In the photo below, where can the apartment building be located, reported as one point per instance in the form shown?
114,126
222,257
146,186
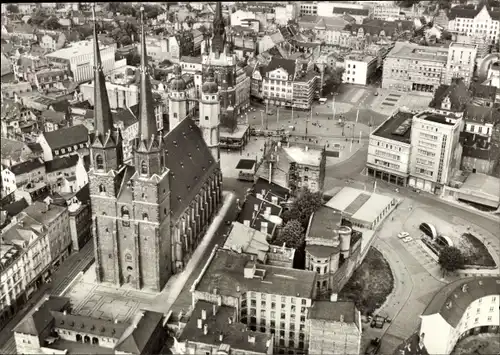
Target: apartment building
334,328
55,219
277,83
477,21
304,89
386,10
308,8
410,67
283,14
8,182
436,150
79,59
331,30
359,68
64,141
24,265
461,62
66,174
120,96
268,299
389,149
29,172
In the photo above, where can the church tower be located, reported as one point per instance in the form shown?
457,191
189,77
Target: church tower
177,103
219,31
106,157
210,114
148,251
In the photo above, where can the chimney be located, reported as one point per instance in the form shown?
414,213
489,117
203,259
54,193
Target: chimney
251,339
205,329
219,301
263,227
200,323
274,200
237,288
230,320
246,223
203,314
214,309
255,207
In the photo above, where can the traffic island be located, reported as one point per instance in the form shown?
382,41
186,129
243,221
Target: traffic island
371,283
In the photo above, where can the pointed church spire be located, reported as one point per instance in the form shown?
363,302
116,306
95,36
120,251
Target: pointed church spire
102,109
147,119
219,37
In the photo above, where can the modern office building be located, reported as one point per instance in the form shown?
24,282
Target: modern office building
359,68
436,151
461,62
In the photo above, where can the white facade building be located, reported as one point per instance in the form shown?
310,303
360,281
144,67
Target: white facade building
79,59
283,14
120,96
436,150
240,15
463,308
386,10
359,68
8,182
461,62
475,22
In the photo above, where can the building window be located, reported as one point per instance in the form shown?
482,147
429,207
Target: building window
102,189
99,162
144,168
206,118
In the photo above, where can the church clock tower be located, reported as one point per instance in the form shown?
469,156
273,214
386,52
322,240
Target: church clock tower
210,114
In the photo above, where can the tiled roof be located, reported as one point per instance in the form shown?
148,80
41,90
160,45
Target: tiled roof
26,166
40,317
14,208
286,64
126,116
236,335
94,326
11,149
457,92
190,163
68,136
136,341
61,163
482,114
453,299
461,12
349,11
54,116
483,91
61,105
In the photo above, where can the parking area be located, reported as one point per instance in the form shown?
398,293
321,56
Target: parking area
230,158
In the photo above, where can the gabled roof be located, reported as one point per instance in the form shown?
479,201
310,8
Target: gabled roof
26,166
190,163
61,163
40,317
470,13
136,341
61,105
54,116
482,114
287,64
457,92
14,208
127,116
68,136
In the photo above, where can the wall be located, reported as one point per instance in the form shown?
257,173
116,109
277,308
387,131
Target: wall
395,153
332,337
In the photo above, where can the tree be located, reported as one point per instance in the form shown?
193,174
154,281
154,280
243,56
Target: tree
451,259
52,23
407,3
231,123
13,8
303,207
133,59
292,234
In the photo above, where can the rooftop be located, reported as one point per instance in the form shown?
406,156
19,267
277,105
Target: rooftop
483,184
247,240
416,52
61,163
68,136
44,213
396,127
453,299
304,156
254,211
222,330
360,57
245,164
226,273
77,48
26,167
436,118
344,312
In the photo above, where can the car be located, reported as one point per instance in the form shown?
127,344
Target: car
402,235
407,239
376,93
374,347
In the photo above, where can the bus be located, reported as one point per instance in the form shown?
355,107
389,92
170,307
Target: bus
323,100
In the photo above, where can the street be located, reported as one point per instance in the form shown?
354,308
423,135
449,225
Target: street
76,262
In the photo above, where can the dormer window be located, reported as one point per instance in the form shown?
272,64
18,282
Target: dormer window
99,162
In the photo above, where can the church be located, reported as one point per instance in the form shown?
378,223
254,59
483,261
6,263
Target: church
149,216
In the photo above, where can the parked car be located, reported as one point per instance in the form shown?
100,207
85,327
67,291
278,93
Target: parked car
407,239
402,235
374,347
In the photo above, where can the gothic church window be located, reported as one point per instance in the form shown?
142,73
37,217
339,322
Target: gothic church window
99,162
144,168
145,216
102,189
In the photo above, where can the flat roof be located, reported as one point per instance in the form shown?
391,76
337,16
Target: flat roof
436,118
389,129
77,48
248,240
485,185
357,203
304,157
334,311
417,52
245,164
238,133
226,272
372,208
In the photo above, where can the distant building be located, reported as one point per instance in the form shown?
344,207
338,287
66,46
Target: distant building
386,10
286,13
120,96
8,184
78,59
461,62
53,41
64,142
476,21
